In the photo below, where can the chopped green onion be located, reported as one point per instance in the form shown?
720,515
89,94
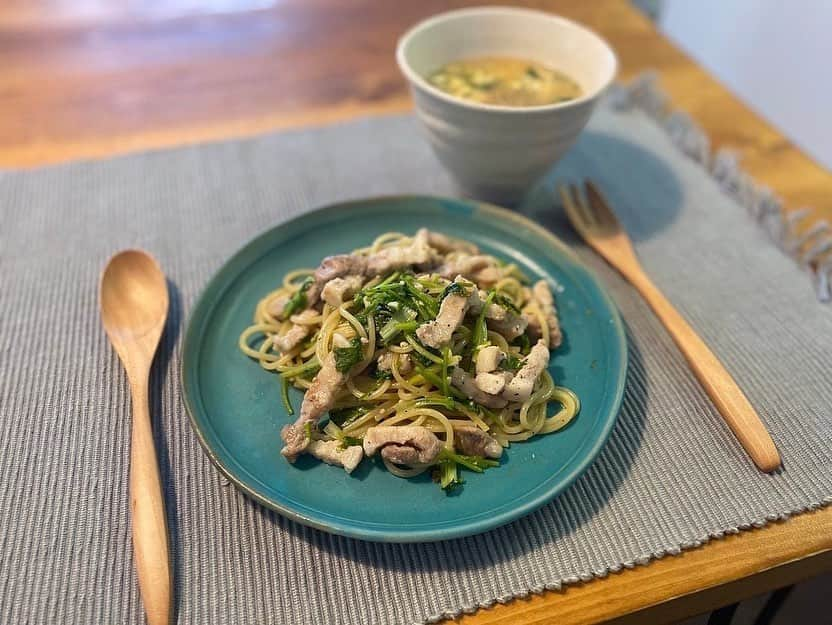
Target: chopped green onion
511,363
445,402
298,300
523,343
284,394
479,337
422,351
402,320
342,417
312,365
434,379
381,374
446,355
350,441
474,463
506,302
454,288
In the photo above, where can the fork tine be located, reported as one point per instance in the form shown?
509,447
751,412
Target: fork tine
584,206
569,204
600,207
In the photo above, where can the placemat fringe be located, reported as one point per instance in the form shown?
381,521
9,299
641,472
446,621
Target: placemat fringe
809,246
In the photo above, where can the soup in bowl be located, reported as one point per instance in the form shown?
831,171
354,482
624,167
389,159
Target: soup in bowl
503,92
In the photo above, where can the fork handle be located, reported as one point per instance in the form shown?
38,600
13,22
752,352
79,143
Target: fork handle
729,399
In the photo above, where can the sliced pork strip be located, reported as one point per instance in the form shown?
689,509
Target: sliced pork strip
491,383
489,276
472,441
444,244
317,400
340,290
293,337
465,264
295,441
510,327
333,267
332,452
499,318
277,306
521,386
543,295
407,444
299,331
489,358
339,266
405,364
495,311
418,253
467,385
438,332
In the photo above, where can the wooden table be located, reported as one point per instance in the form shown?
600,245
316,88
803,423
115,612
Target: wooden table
91,78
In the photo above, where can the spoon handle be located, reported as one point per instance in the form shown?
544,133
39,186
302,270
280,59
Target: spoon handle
147,508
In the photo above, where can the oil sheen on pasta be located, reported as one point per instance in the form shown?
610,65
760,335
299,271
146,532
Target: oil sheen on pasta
394,372
505,81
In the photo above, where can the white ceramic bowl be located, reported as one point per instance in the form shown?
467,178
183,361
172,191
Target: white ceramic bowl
497,152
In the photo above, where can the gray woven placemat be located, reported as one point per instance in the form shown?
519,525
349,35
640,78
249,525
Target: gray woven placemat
671,476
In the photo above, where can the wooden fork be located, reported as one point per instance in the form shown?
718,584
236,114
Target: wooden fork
598,226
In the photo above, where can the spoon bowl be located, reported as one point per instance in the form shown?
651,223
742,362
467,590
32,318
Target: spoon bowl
134,295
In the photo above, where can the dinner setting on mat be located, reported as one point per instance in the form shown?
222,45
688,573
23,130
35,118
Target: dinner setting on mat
525,345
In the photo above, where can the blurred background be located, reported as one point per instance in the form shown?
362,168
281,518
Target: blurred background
780,65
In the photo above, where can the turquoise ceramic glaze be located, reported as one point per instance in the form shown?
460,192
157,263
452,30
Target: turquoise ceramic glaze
235,405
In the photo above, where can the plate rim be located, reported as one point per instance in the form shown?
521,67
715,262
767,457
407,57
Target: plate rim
190,341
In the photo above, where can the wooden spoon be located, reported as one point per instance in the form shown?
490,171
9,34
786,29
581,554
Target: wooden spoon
134,306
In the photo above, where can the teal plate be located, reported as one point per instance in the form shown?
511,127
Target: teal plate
235,405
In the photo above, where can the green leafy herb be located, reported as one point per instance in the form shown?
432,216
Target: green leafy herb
447,476
308,368
298,300
446,470
511,363
381,374
443,379
401,320
420,359
350,441
477,464
426,306
505,302
523,343
531,72
342,417
455,288
347,357
445,402
479,338
284,394
403,291
434,378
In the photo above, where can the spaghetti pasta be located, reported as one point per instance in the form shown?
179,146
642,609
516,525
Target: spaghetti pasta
390,356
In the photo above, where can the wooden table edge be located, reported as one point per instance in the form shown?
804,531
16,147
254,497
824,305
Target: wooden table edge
722,571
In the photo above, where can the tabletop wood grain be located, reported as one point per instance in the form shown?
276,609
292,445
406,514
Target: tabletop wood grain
91,78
